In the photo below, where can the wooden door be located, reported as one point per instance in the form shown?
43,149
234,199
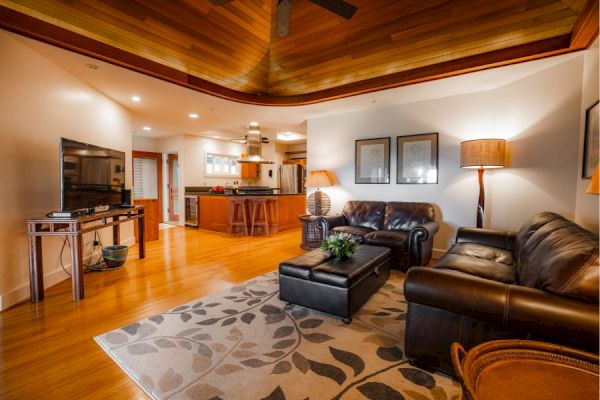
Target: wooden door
159,179
173,162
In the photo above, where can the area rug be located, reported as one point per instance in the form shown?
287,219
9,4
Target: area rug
244,343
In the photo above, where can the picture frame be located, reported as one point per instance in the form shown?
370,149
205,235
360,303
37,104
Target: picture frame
417,159
372,161
591,141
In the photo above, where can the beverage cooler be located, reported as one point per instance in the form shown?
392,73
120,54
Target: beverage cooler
191,210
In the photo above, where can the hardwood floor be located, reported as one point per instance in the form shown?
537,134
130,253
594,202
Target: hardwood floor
47,349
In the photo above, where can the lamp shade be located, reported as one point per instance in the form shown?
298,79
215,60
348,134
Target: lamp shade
593,187
318,178
483,153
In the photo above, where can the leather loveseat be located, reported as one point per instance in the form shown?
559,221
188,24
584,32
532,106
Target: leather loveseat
538,283
407,229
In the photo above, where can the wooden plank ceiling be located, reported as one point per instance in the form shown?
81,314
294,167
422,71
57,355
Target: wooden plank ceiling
232,50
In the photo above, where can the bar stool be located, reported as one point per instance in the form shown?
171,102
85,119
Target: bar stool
258,204
234,220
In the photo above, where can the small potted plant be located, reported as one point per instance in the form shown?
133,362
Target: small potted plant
339,245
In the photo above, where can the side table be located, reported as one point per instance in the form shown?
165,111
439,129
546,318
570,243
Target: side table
312,236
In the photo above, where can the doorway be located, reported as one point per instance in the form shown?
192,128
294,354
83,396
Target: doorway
172,187
147,181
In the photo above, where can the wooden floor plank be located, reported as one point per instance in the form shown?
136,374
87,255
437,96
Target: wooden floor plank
47,349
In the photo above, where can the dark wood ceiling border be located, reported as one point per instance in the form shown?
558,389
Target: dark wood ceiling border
585,31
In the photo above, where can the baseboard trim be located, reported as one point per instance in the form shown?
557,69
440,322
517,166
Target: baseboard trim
21,293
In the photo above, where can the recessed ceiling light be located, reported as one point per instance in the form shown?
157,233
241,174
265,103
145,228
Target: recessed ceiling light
193,115
290,136
147,128
253,123
137,99
92,66
217,137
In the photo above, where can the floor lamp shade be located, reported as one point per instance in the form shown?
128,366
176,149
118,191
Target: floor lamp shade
318,203
482,154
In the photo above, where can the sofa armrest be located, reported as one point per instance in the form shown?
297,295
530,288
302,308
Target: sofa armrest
515,307
490,237
420,243
326,223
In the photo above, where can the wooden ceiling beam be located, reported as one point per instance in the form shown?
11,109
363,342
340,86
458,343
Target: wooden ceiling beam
585,29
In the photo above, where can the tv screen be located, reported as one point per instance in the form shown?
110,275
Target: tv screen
91,176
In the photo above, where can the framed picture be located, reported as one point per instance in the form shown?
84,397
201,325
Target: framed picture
417,158
591,142
372,161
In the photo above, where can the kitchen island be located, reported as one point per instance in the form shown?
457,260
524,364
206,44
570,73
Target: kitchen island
283,210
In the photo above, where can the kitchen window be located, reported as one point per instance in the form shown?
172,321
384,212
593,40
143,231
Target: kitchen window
221,165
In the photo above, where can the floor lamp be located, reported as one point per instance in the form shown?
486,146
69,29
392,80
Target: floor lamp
482,154
594,186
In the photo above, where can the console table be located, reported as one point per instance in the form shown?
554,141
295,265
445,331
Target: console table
73,229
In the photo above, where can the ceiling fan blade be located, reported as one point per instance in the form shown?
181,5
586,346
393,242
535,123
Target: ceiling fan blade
220,2
339,7
283,17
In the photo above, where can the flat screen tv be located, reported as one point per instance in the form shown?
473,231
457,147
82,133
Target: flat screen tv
91,176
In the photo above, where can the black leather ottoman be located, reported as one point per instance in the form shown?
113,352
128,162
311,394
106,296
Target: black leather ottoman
336,287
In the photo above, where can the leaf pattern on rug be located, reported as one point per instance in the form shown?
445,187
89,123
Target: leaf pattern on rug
379,391
274,351
350,359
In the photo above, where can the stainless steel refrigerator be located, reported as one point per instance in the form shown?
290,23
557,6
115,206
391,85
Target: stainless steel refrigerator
291,179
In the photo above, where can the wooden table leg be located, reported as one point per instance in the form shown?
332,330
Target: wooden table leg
141,236
116,232
77,267
36,269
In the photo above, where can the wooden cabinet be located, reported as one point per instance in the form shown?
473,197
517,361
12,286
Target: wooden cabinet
283,211
151,218
299,162
249,171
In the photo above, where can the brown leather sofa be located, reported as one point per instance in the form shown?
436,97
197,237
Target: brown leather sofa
407,229
538,283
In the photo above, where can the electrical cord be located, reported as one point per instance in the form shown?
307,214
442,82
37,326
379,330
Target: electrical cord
99,265
60,257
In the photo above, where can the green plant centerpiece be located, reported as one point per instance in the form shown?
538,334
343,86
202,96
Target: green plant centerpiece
340,245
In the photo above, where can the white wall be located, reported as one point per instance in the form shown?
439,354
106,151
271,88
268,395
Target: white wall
141,143
39,103
538,115
195,155
586,209
196,149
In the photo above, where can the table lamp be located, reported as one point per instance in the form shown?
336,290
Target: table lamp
482,154
594,186
318,203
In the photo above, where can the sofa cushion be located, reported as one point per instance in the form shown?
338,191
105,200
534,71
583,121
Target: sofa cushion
368,214
359,232
559,256
387,238
403,216
475,266
301,266
484,252
348,272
